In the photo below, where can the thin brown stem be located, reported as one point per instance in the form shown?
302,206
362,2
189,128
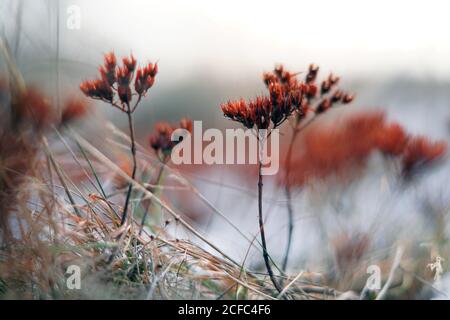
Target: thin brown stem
137,103
263,235
133,174
287,189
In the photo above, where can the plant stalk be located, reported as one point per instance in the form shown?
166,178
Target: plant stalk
263,235
287,191
133,154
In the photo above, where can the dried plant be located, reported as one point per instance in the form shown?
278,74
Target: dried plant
58,220
316,100
286,98
161,142
27,115
114,88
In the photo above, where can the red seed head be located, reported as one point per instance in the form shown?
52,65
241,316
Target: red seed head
123,75
311,76
98,89
323,106
110,61
129,63
154,71
124,93
348,98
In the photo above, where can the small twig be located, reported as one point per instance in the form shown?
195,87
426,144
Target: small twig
296,130
288,194
290,284
156,281
136,104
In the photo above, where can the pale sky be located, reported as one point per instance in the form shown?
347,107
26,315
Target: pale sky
361,38
348,35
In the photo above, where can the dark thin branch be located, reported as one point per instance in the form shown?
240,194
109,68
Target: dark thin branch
262,232
133,154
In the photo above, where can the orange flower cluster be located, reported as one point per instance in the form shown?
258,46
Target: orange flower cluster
328,95
287,96
326,150
161,141
118,79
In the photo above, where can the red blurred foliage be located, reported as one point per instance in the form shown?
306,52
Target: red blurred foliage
74,109
341,149
420,152
30,106
392,139
17,161
26,114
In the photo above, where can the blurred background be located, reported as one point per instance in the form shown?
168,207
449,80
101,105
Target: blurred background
395,55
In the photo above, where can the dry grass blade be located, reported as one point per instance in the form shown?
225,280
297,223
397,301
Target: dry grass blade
108,163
